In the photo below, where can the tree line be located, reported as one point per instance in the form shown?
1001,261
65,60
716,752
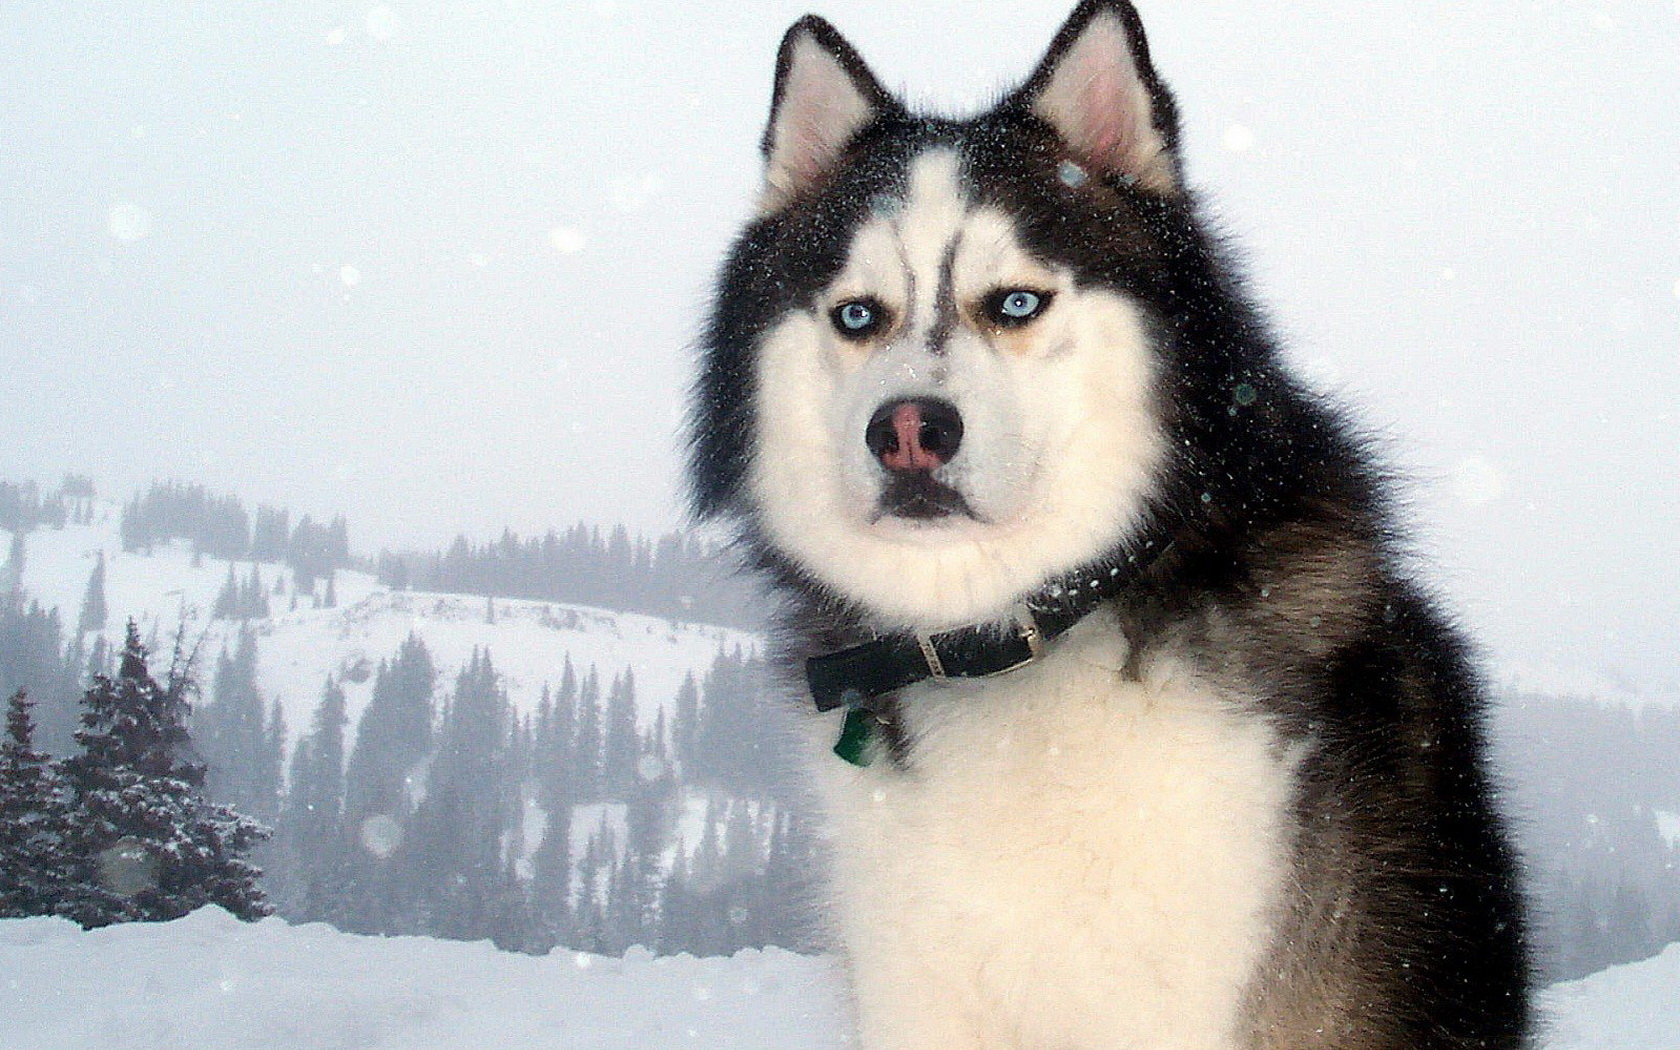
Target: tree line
676,576
220,527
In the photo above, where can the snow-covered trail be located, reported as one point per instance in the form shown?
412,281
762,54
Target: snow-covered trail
209,982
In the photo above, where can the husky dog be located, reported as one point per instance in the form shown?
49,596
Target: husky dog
1131,728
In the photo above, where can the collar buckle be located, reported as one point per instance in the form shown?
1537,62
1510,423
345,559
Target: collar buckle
1029,632
1014,653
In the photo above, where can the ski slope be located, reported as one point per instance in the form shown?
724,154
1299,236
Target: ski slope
211,982
298,648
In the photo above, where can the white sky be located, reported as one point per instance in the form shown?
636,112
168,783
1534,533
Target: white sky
436,266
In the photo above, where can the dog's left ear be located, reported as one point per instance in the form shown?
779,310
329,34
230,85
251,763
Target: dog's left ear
824,96
1097,89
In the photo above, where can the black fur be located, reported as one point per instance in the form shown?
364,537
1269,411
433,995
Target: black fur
1285,569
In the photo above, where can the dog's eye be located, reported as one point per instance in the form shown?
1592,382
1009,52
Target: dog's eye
1015,306
858,318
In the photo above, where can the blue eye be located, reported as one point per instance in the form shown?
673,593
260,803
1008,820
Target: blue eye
1017,305
1020,304
858,318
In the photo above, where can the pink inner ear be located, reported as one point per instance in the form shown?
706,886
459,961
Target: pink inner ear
1108,116
1097,102
821,109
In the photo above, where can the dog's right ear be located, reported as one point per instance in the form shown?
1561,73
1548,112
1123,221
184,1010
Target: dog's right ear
824,96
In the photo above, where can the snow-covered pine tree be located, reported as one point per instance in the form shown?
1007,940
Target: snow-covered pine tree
32,821
144,842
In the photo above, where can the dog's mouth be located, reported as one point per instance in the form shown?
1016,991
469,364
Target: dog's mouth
919,496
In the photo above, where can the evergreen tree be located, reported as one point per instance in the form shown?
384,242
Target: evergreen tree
312,824
787,913
227,599
32,657
93,600
453,857
619,748
551,881
253,604
560,757
11,580
586,746
684,723
145,844
393,740
33,860
676,933
238,745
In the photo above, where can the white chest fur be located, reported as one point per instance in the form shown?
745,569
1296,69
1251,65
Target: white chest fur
1074,861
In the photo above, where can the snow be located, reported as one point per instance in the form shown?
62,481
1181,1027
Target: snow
1632,1007
211,982
298,649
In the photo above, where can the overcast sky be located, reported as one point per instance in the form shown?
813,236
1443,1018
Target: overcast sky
436,266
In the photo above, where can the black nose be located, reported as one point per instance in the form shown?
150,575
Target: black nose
914,435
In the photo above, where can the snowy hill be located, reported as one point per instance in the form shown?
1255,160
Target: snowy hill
210,982
298,648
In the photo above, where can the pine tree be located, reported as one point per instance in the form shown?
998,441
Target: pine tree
393,739
312,824
560,756
253,603
32,821
586,747
11,580
239,748
227,599
684,722
144,842
787,906
676,933
551,881
453,857
620,744
93,601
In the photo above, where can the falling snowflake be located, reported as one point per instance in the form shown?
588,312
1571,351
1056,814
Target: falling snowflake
566,240
129,222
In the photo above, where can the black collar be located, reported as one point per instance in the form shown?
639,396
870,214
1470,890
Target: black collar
852,677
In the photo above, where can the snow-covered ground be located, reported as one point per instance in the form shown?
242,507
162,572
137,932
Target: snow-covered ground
210,982
1632,1007
297,649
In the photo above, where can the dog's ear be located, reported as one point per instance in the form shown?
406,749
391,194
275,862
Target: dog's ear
824,96
1097,89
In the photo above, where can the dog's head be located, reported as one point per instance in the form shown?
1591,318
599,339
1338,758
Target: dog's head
935,374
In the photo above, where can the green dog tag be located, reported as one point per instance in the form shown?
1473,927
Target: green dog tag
853,745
